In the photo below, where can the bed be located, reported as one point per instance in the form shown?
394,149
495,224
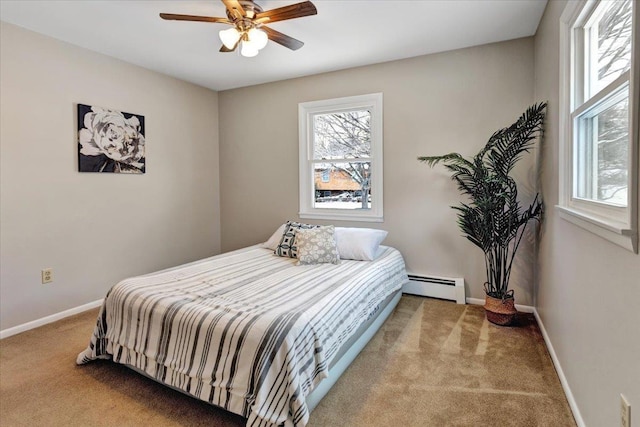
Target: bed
249,331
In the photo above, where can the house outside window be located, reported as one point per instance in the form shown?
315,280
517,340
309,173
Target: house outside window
599,119
341,158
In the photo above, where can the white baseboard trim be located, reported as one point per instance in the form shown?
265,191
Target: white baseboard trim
522,308
563,380
49,319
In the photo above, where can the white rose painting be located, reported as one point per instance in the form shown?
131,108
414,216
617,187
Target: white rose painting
110,141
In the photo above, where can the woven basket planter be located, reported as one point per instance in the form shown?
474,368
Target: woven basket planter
500,312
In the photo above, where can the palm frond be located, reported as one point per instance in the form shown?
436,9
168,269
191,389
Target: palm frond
507,146
453,158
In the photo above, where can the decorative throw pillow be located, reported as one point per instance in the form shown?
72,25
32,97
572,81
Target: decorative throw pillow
287,246
317,246
360,244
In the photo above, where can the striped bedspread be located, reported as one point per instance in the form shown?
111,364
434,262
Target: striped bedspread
248,331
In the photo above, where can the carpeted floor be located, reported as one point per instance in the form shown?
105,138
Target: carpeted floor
433,363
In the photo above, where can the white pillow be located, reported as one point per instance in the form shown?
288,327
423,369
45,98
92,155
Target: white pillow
360,244
275,238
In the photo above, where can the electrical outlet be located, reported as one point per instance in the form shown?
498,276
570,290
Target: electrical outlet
625,412
47,275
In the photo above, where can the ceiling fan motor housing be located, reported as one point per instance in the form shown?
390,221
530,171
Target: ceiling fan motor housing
251,9
244,22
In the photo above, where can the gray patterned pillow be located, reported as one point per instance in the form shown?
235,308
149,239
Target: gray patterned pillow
287,246
317,246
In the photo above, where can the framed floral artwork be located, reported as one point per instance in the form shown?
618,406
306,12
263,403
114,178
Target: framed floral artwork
110,141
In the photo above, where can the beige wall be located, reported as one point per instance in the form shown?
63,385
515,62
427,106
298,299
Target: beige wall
433,104
588,288
96,229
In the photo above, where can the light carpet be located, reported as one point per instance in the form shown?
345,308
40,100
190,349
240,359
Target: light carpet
433,363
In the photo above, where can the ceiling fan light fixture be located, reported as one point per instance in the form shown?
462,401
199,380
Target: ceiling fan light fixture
258,38
248,50
229,37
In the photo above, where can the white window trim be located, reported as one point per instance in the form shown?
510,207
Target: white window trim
591,216
306,110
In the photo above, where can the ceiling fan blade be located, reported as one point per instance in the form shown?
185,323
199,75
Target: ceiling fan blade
234,4
225,49
262,20
174,17
297,10
282,39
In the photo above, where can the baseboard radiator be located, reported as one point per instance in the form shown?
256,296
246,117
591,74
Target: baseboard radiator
436,287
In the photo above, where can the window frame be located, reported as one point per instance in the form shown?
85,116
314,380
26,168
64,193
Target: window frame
614,223
306,112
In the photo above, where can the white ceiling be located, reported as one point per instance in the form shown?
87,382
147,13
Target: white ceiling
344,33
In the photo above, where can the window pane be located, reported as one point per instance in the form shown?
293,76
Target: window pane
611,44
603,155
345,135
348,186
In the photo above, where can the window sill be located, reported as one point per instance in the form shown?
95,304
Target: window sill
336,216
612,231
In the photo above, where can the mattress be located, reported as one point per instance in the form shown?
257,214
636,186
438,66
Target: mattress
247,331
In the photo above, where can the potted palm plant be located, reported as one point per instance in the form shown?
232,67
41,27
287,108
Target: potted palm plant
493,219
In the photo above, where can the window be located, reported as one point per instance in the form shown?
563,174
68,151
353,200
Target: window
599,119
341,158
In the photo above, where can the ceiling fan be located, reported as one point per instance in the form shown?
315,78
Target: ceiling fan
248,25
